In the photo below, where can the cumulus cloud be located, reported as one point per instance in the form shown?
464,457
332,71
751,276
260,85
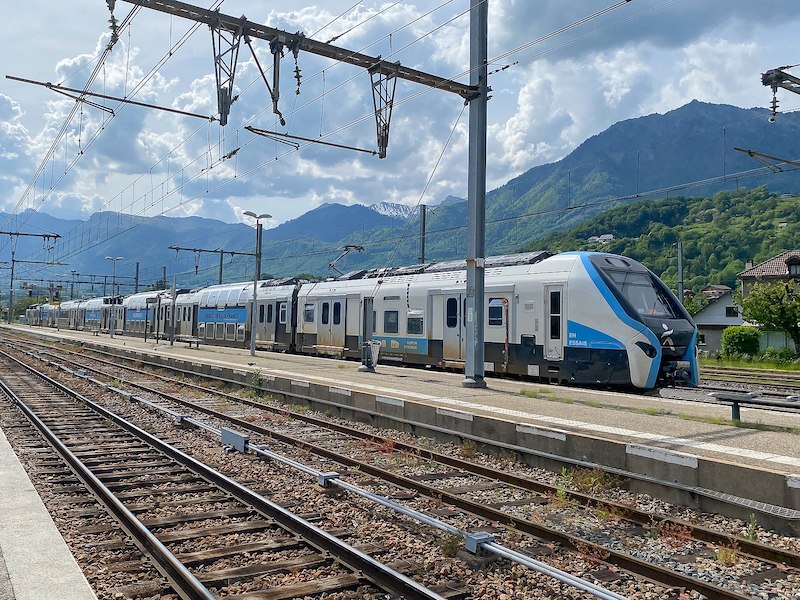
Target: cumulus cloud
648,55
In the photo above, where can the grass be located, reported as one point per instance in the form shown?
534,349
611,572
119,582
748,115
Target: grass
653,411
748,364
656,411
740,424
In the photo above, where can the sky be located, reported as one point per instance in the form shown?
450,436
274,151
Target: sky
557,78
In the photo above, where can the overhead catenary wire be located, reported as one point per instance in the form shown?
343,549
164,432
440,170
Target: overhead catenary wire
193,197
61,134
263,164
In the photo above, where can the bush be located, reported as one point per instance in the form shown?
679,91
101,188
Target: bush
740,339
782,356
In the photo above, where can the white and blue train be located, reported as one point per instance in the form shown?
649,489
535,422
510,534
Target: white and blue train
576,317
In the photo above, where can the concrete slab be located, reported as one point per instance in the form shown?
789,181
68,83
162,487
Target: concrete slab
35,563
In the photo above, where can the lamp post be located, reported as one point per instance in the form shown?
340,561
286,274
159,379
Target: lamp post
255,277
113,296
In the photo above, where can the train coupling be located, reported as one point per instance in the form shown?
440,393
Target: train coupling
677,372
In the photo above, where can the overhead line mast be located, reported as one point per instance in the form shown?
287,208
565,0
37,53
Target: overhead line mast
14,235
227,33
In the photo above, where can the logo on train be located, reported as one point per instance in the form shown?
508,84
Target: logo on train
666,340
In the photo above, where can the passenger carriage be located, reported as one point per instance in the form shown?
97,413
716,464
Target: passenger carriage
577,317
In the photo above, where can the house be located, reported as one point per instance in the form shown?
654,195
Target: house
602,239
783,267
715,316
715,291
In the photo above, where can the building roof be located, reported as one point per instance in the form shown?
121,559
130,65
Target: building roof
773,267
717,287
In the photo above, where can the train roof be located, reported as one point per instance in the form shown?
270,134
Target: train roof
504,260
139,301
99,302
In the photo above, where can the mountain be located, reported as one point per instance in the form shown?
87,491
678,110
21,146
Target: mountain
688,151
332,222
718,234
394,210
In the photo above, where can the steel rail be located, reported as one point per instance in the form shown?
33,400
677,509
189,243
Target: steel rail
181,579
371,569
749,547
624,561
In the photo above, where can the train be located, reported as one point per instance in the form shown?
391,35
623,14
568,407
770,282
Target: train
583,318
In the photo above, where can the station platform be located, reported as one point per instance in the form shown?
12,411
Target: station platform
649,439
35,563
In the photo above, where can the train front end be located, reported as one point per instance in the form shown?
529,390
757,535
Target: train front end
663,350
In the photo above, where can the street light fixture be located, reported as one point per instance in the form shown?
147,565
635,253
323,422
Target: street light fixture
255,277
113,296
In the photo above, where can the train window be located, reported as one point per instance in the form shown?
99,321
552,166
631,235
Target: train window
261,313
388,298
282,313
337,313
640,291
452,312
326,313
555,327
414,324
555,315
374,321
555,303
391,321
230,331
308,313
269,313
495,312
212,298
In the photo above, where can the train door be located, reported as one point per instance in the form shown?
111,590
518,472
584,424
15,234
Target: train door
454,339
331,325
267,316
554,322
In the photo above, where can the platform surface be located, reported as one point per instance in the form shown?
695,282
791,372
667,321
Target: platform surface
35,563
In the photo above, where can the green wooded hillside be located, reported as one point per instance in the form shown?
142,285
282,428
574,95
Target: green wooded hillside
719,234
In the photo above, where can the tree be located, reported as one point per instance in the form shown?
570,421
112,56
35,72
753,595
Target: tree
21,304
775,306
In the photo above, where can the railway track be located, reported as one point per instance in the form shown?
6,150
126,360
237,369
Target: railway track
773,381
162,497
466,486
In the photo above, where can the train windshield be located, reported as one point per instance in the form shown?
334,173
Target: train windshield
645,297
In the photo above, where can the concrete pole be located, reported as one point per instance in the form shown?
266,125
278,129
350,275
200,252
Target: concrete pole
422,214
680,272
253,319
476,195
